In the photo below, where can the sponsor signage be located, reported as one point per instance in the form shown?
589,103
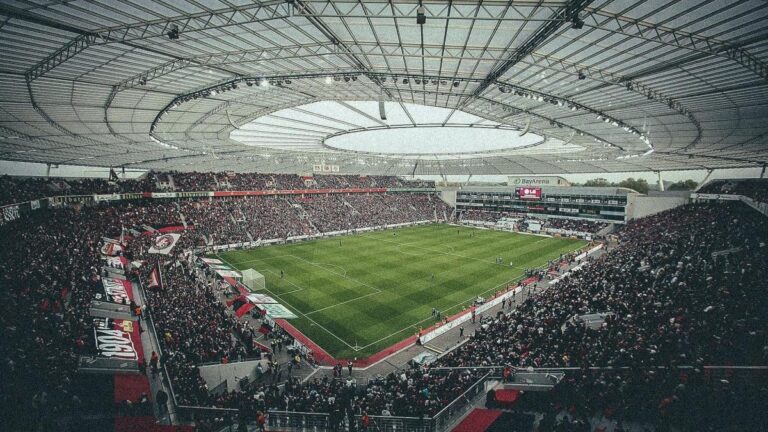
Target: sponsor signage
537,181
529,192
325,168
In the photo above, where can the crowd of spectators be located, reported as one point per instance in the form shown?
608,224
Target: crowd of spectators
755,188
21,189
578,225
672,303
51,270
337,212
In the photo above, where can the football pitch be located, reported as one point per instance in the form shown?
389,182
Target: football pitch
357,294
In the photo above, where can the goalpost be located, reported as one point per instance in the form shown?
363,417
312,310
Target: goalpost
253,280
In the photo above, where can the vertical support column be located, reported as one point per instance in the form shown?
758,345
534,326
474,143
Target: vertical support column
661,181
762,173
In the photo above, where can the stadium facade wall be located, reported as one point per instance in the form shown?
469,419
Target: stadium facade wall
215,374
640,205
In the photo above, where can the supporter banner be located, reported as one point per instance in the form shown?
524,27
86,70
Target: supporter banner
260,298
34,204
111,249
113,340
117,290
276,310
719,197
168,229
10,213
164,244
107,197
117,262
220,267
194,194
164,194
71,199
211,261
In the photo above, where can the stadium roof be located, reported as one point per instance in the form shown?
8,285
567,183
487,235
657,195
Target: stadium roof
178,84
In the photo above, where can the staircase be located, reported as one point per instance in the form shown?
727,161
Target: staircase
171,183
607,230
303,214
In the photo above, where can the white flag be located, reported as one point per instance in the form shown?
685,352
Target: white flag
164,243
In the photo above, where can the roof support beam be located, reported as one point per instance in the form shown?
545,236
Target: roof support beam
544,32
250,13
677,38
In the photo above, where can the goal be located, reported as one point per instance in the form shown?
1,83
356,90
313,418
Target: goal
253,280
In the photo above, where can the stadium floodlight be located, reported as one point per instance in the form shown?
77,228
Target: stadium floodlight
455,83
577,23
581,75
328,80
421,18
173,34
213,92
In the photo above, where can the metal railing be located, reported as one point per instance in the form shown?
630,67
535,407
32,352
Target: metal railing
299,421
460,405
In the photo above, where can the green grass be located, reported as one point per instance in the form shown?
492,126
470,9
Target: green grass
375,289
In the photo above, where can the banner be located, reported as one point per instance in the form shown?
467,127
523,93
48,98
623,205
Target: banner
164,243
211,261
11,213
34,204
117,262
155,279
116,290
111,249
113,339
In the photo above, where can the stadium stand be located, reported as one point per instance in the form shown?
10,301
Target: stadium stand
674,305
18,189
756,189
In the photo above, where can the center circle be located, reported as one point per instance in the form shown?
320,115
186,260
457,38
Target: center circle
438,140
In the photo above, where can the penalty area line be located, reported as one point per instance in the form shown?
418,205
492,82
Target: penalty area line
300,312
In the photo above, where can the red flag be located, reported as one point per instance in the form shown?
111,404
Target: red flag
244,309
155,278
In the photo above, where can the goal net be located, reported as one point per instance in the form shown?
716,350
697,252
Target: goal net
253,280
